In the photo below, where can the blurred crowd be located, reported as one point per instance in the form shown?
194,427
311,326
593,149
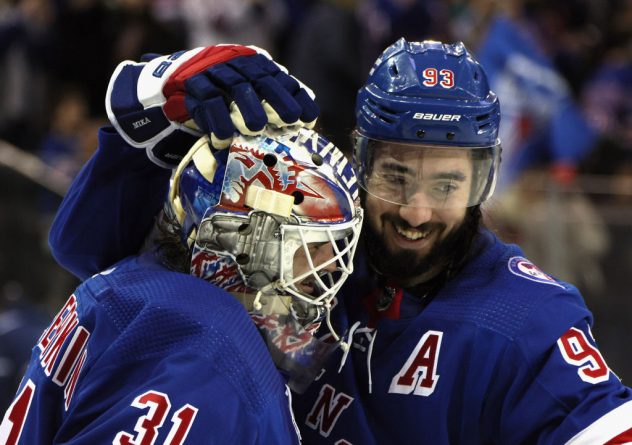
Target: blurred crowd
562,70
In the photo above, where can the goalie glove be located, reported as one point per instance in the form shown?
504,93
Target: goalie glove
165,104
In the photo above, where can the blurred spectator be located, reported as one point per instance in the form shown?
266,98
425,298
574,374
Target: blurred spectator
339,39
542,124
93,36
61,148
21,324
556,229
248,22
607,98
136,30
297,12
70,141
25,27
326,54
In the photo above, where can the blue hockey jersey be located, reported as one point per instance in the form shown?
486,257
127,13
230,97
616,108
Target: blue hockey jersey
503,354
143,355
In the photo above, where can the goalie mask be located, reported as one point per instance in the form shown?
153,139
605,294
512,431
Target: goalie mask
427,127
275,220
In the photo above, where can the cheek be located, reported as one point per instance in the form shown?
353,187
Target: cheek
299,263
374,209
452,218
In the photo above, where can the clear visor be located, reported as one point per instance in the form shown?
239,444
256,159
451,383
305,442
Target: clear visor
428,176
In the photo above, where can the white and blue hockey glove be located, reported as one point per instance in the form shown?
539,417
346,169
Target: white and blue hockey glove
163,105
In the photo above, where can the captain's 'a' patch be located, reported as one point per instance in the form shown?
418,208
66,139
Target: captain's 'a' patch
524,268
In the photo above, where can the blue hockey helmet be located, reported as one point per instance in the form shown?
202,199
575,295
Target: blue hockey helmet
426,100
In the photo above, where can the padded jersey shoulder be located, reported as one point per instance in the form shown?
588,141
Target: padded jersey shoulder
502,290
157,313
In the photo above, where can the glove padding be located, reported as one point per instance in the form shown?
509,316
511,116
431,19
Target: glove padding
165,104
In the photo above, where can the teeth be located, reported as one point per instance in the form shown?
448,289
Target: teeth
412,234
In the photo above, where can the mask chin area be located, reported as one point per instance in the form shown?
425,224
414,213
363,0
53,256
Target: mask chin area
288,330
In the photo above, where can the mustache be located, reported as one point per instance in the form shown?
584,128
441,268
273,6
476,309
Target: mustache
396,220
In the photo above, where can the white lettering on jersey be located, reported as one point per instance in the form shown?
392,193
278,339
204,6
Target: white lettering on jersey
69,390
419,374
73,351
577,351
327,409
53,338
64,371
52,341
337,160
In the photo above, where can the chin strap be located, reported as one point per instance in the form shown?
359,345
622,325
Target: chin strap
347,344
346,349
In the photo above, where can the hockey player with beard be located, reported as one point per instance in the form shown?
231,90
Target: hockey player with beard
455,336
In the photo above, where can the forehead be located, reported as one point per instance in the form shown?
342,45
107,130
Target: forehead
422,157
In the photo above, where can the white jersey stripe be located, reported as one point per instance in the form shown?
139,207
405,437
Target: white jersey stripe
606,428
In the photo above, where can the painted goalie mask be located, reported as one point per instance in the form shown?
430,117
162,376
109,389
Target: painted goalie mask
274,220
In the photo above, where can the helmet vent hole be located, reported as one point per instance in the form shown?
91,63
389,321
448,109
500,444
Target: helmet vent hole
244,229
242,258
382,113
449,136
270,160
298,197
482,117
421,134
317,159
394,70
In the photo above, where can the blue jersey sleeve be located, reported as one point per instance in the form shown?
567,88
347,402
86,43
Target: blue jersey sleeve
109,208
559,388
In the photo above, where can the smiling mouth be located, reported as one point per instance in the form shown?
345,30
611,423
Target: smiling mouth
412,234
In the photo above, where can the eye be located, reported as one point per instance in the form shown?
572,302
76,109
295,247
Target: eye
394,179
391,178
444,188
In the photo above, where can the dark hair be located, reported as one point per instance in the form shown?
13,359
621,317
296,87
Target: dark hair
166,241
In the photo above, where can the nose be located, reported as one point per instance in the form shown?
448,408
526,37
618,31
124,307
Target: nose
323,254
418,210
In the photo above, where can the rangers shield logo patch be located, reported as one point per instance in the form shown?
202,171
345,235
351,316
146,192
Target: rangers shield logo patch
524,268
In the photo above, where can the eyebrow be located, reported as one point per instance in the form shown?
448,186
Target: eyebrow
453,175
397,167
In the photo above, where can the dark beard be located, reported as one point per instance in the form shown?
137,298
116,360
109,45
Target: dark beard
403,266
